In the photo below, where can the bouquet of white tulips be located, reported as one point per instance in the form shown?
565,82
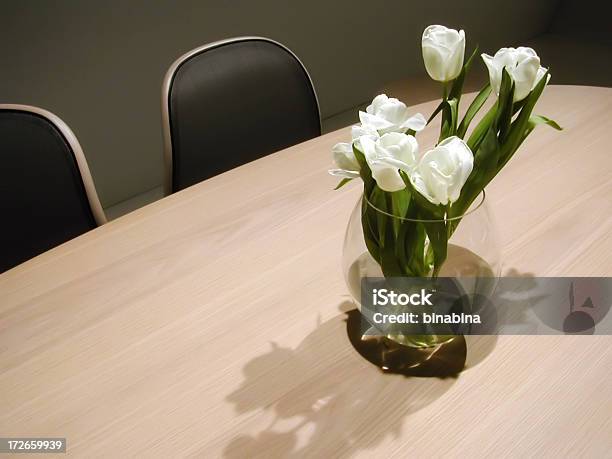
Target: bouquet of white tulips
430,190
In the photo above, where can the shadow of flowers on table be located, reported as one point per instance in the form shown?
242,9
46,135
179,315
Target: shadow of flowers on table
325,398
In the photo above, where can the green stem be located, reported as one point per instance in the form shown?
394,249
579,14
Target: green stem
448,223
481,128
445,90
445,111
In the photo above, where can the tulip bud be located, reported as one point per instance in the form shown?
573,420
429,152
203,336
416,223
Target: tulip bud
523,66
443,52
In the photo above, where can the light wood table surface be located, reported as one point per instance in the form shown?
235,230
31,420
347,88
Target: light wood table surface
211,323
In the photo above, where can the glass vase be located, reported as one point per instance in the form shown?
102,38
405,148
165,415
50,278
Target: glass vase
473,257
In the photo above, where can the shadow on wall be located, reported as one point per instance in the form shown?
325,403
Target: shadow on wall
335,403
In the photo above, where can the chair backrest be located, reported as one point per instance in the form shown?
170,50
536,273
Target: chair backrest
231,102
47,194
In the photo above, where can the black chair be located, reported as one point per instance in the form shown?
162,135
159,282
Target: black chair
47,194
231,102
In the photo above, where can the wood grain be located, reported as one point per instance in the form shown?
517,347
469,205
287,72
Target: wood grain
211,323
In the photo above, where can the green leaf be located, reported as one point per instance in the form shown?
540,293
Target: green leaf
449,119
436,111
539,119
369,222
381,229
378,200
420,200
417,262
457,87
410,245
533,122
389,262
474,107
505,103
485,168
343,182
450,103
370,233
365,173
402,241
363,164
438,239
482,128
435,227
518,128
518,105
400,200
494,152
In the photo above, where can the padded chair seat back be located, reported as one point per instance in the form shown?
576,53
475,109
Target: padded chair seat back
233,102
42,195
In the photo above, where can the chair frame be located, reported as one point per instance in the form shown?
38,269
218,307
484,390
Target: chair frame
167,85
77,151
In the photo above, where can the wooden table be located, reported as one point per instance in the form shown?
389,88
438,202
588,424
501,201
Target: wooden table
211,323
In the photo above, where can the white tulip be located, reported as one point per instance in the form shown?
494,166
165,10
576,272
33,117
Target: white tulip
385,153
344,158
359,130
523,65
386,114
443,52
345,161
441,173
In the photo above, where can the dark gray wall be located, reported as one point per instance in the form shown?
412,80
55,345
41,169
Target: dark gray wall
99,64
